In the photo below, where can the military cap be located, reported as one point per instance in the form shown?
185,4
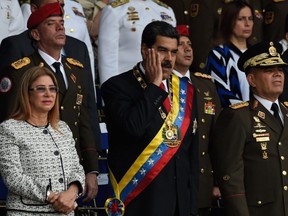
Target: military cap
48,10
182,30
263,54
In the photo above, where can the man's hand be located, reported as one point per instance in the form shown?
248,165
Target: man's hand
153,69
91,187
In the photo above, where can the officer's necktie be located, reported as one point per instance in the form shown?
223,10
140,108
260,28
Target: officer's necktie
166,103
275,110
61,82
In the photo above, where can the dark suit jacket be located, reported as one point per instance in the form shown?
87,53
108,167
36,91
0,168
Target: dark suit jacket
206,95
75,115
133,119
250,183
15,47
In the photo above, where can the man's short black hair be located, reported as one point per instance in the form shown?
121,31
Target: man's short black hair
158,28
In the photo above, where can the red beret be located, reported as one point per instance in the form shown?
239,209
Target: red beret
182,30
44,12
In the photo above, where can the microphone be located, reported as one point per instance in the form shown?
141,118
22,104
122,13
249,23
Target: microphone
45,131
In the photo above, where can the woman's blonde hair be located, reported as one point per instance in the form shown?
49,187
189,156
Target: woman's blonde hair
22,109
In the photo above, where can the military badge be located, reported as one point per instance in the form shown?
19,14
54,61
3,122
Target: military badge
77,12
269,17
165,17
21,63
194,10
133,15
117,3
195,126
261,114
114,207
5,84
258,14
79,99
209,108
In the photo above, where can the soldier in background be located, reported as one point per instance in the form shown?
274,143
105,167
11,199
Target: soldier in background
11,21
274,20
121,26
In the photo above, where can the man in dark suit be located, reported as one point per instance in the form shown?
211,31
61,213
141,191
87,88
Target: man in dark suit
249,152
148,113
49,36
208,106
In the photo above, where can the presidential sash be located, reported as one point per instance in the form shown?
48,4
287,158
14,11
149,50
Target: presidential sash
157,153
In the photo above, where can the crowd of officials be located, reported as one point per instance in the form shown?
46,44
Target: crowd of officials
194,98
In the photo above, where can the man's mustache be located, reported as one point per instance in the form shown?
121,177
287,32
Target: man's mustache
166,64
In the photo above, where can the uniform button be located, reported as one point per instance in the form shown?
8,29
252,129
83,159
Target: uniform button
62,107
133,29
203,137
282,158
203,153
202,65
71,30
185,12
226,177
284,173
56,153
78,114
202,170
285,188
67,17
187,26
75,123
259,202
147,8
203,120
74,107
75,139
280,143
60,180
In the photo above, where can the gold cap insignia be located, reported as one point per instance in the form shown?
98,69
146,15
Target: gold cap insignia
272,50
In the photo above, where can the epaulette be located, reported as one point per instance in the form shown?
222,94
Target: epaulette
75,62
206,76
278,0
285,104
117,3
239,105
161,3
21,63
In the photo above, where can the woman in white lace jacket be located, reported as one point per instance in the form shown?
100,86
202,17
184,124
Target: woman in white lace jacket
38,159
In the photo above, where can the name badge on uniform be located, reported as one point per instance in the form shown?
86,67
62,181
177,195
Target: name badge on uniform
79,99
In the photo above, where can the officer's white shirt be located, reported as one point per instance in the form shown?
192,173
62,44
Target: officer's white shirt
119,40
11,22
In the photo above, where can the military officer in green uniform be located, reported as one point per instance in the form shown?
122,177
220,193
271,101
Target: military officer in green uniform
250,140
46,25
208,106
274,19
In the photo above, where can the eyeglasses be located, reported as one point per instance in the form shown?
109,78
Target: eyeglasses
43,89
